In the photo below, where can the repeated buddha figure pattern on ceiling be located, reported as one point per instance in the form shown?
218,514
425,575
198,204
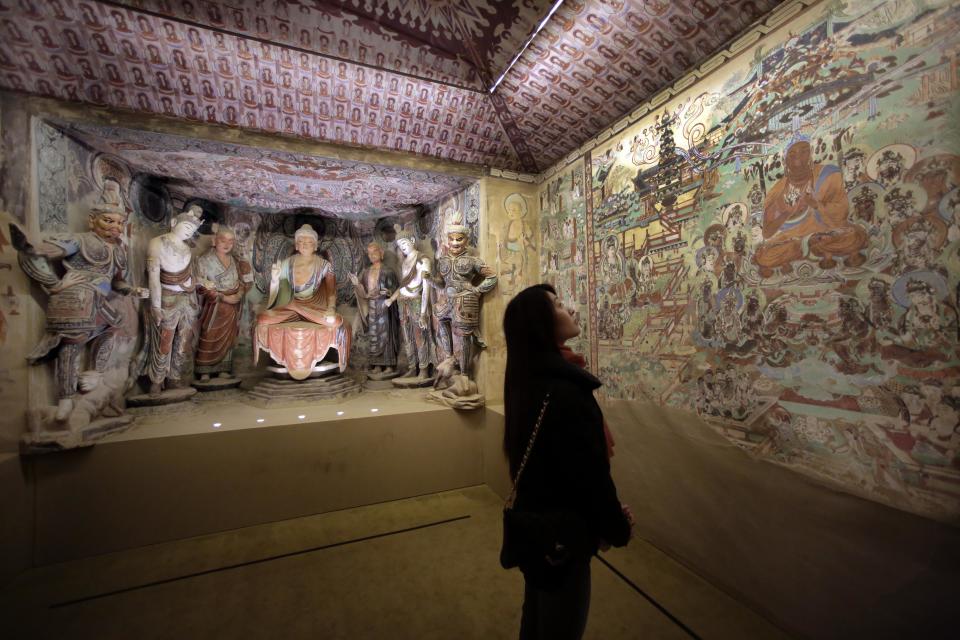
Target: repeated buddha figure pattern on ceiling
404,75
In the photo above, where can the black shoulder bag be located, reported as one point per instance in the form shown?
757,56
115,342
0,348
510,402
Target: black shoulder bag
531,537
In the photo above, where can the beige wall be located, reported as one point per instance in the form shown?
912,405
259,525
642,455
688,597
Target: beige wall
515,269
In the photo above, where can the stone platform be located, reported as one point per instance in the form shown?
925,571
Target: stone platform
271,392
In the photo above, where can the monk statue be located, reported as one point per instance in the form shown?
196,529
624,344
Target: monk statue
413,300
83,306
464,279
373,289
222,281
172,313
808,203
303,289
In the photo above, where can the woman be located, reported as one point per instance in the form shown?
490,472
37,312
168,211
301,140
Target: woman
568,469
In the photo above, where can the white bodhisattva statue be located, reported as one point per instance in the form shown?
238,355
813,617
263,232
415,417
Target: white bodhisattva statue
173,309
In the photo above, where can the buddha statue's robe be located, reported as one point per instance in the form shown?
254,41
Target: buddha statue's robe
312,301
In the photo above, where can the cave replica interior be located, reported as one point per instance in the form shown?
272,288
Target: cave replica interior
249,247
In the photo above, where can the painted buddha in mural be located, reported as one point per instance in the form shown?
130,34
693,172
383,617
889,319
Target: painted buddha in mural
303,289
806,213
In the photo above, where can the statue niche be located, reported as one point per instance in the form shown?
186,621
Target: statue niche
300,323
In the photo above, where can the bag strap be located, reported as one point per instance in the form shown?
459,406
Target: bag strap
526,454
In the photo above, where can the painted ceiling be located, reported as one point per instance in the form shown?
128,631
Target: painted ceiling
269,180
407,75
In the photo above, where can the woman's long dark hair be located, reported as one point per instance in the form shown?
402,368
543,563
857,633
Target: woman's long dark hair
529,327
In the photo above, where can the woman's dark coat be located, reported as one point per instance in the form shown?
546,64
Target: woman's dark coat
568,468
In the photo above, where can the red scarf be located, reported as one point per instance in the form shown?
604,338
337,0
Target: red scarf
573,357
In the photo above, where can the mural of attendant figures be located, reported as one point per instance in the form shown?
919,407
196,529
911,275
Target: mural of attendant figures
171,330
807,204
919,240
458,317
379,319
83,308
413,299
222,281
927,325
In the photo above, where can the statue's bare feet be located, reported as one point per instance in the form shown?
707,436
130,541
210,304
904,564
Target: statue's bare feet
423,374
155,388
64,407
174,383
376,369
204,377
388,370
225,374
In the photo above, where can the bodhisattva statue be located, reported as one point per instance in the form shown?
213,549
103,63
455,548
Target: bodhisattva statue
373,289
222,281
82,306
172,313
303,289
464,278
413,300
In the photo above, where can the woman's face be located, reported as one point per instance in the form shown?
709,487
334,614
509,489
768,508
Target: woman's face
564,320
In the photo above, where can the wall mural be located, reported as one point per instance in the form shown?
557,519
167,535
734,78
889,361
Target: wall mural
270,180
595,61
778,251
563,243
103,55
516,244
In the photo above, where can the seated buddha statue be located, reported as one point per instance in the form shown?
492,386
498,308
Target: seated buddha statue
300,322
